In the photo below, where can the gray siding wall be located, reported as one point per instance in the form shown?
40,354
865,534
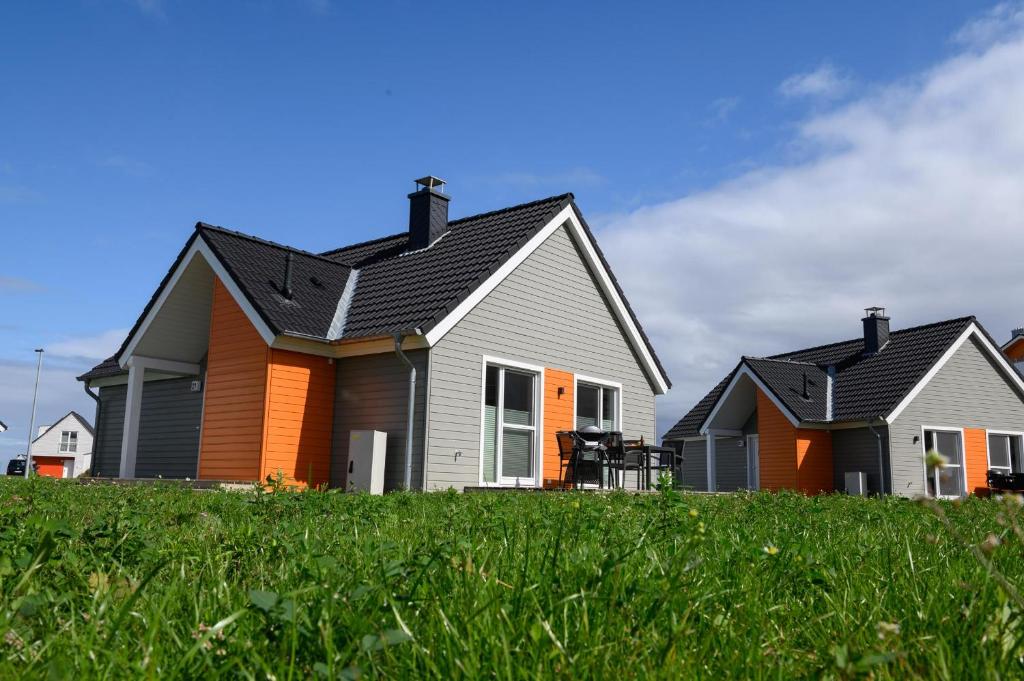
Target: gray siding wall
730,465
856,450
968,392
372,393
168,431
107,446
548,312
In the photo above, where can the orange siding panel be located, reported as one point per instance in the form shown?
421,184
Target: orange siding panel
1016,351
236,379
557,416
814,461
299,418
976,458
777,446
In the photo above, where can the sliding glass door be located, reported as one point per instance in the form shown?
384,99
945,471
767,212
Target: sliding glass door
509,426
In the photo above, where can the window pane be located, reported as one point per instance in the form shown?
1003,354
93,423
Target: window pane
516,452
587,401
1015,460
73,441
518,408
608,403
949,481
948,444
489,455
999,451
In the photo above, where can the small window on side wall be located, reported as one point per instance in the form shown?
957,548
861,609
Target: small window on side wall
1004,453
597,405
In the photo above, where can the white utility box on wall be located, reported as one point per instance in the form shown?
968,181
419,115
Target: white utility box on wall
366,451
857,483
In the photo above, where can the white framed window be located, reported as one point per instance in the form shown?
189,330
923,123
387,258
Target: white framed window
598,403
949,480
510,444
69,441
1004,451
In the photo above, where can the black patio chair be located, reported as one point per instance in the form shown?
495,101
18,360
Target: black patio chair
569,448
623,456
666,459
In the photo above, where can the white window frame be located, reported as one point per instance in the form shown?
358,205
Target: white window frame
538,428
1020,449
66,447
963,460
602,383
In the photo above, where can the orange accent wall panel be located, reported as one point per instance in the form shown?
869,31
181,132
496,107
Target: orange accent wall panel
557,416
236,383
49,466
777,446
299,418
814,461
976,458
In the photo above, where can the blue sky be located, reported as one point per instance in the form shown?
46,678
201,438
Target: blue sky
305,122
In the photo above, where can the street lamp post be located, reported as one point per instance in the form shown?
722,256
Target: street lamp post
32,422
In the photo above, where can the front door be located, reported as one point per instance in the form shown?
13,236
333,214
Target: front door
753,463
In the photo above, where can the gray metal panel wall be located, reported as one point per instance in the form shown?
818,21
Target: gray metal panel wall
968,392
168,430
549,311
372,393
856,449
107,446
730,464
695,465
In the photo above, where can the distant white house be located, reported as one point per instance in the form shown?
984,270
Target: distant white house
64,449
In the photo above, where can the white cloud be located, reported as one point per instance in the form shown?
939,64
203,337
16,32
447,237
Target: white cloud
722,107
909,198
999,22
19,285
824,82
96,347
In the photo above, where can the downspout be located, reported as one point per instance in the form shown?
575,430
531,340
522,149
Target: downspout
96,439
410,422
881,465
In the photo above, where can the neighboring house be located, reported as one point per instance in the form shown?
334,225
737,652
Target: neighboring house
253,358
1014,348
3,427
63,450
875,405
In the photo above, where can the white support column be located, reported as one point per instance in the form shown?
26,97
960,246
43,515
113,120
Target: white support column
132,407
711,460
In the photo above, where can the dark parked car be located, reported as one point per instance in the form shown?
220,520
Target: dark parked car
16,467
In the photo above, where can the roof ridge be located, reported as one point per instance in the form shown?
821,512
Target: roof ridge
266,242
335,251
782,360
782,355
559,197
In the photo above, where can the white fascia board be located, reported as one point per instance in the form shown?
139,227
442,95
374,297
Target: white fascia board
744,370
199,248
165,365
971,330
566,216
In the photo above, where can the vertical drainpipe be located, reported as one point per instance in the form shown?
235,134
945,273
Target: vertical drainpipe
410,422
96,438
881,465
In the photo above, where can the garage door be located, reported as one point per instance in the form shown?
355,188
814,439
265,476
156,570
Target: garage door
50,466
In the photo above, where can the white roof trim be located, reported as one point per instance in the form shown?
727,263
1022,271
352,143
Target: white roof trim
567,217
337,328
198,249
744,370
971,330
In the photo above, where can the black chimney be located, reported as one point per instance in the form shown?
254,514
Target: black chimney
428,212
876,330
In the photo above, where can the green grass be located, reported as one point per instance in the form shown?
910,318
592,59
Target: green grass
124,582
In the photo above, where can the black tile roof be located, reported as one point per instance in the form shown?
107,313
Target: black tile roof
106,368
394,290
864,387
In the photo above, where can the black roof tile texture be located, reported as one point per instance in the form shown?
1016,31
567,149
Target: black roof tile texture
865,386
394,290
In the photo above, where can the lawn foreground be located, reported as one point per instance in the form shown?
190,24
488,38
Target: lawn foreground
156,581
